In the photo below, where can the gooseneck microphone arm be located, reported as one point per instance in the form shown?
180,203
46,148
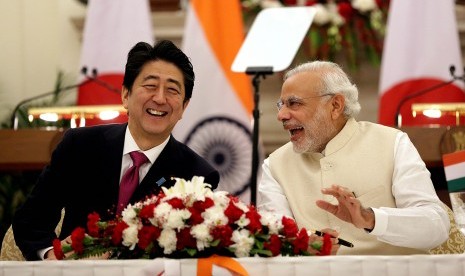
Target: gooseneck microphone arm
98,81
14,117
426,90
93,77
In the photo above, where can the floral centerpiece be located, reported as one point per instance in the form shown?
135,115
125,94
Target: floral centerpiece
353,28
189,220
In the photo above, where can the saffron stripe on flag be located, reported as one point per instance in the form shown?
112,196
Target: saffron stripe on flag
453,158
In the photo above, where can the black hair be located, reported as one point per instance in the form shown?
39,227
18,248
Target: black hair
164,50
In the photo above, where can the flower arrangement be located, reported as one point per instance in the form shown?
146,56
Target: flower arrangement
189,220
339,26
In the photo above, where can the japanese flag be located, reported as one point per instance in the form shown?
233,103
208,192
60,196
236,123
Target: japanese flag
420,46
111,28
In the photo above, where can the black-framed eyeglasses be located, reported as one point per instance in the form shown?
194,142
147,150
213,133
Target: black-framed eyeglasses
294,102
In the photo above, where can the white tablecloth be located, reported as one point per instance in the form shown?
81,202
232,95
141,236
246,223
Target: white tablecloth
421,265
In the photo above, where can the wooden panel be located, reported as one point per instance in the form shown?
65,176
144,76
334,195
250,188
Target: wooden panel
27,149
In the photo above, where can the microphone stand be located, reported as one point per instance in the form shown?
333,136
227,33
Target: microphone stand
397,118
258,73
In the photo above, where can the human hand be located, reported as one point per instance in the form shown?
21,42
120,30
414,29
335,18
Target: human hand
319,238
348,209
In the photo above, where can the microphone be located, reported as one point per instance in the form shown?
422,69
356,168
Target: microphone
98,81
397,117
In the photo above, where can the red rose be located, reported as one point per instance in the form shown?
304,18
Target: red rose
301,242
223,233
92,224
118,232
311,3
290,2
232,212
345,10
255,225
147,211
146,235
185,239
57,249
290,227
176,203
77,239
274,245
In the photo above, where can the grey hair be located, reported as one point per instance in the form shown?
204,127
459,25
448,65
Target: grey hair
333,80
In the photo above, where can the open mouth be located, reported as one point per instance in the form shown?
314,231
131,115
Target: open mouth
154,112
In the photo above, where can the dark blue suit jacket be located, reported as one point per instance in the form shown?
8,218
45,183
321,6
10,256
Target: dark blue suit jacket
83,177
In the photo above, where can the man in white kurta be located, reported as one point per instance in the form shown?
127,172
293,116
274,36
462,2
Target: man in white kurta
365,180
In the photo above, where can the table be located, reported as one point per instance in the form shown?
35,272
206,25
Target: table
424,265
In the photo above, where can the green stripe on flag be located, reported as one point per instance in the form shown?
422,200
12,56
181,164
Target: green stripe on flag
456,185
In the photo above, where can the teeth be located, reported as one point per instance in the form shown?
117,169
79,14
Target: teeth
155,112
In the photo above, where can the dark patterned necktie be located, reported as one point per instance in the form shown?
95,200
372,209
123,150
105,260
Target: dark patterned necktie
130,180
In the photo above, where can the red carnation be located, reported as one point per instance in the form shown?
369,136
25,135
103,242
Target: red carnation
118,233
203,205
289,227
92,224
146,235
77,239
196,216
255,225
311,3
290,2
185,239
223,233
233,212
57,249
147,211
301,242
274,245
327,245
176,203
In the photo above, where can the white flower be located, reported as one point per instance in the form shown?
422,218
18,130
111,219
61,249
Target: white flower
270,4
272,220
364,5
243,242
201,232
162,212
243,221
129,215
215,216
176,219
322,15
167,240
189,190
130,238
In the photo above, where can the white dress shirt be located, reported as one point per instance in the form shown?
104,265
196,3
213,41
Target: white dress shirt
399,226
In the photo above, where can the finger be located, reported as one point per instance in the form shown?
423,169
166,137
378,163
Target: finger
330,231
327,206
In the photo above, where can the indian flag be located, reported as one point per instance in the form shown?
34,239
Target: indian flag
454,168
111,28
217,122
420,46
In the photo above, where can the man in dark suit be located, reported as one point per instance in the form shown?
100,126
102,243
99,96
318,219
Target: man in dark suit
87,166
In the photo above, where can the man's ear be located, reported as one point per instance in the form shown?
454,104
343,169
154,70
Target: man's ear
185,104
337,106
124,96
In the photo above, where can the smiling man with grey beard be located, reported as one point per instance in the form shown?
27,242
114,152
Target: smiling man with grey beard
365,180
